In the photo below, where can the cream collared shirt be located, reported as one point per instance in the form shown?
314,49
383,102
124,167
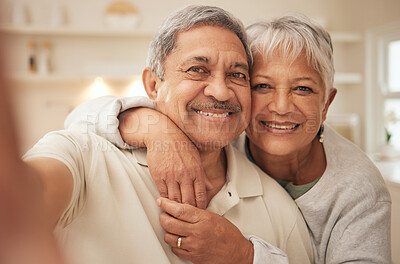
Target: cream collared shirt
113,216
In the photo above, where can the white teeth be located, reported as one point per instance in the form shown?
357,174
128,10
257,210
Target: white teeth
280,126
212,114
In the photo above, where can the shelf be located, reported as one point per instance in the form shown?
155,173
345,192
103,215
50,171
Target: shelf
347,78
38,79
346,37
109,32
58,78
73,31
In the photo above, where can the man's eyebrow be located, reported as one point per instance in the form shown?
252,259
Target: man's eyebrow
242,66
202,59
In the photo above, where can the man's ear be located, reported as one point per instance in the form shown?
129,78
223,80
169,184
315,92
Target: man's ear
150,81
331,96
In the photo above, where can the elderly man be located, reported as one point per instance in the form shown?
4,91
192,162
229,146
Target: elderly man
103,201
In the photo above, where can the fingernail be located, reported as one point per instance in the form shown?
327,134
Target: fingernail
158,201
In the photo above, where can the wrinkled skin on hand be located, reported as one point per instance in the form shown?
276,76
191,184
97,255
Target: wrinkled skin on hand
174,162
179,175
206,237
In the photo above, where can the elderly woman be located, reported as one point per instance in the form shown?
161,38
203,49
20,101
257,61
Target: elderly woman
339,191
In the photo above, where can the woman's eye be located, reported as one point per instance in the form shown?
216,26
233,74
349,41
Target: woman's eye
261,86
303,90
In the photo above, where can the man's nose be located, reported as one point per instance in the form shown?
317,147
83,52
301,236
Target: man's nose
218,88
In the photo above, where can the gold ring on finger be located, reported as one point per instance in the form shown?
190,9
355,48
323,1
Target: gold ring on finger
179,243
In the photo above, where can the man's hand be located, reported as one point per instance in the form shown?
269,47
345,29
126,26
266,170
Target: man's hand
174,162
205,237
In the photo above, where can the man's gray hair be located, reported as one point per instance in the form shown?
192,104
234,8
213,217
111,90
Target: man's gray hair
291,35
185,19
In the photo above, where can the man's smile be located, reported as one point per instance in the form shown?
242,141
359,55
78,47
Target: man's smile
226,114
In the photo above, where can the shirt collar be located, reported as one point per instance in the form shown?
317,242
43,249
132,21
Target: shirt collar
243,173
242,180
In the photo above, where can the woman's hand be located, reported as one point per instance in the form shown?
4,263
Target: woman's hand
205,237
174,162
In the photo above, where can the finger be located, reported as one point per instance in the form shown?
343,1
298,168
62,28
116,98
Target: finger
187,192
174,226
182,212
172,241
209,185
174,192
200,192
182,253
162,188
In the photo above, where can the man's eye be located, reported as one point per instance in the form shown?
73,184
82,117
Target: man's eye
238,75
196,69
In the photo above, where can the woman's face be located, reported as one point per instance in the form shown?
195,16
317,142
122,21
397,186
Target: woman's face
288,105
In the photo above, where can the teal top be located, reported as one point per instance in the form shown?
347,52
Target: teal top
295,191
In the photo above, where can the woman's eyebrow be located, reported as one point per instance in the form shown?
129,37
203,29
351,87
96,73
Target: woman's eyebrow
262,76
305,79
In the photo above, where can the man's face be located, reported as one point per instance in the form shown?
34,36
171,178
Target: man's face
206,89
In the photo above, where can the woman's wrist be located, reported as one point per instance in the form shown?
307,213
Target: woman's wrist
135,124
166,136
144,127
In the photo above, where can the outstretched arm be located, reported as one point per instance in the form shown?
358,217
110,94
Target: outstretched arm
26,231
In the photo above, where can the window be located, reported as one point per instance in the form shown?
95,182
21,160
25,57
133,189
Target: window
394,66
392,121
383,88
392,96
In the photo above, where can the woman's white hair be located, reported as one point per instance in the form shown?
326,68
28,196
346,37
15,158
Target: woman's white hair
290,36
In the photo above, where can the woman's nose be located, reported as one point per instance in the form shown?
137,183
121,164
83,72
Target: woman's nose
281,102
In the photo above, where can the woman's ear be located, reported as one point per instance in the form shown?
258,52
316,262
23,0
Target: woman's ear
331,96
150,81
